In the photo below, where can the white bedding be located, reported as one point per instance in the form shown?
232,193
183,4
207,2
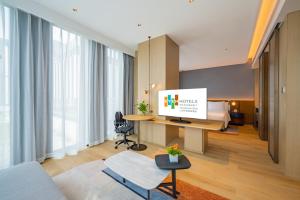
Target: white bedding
219,111
220,116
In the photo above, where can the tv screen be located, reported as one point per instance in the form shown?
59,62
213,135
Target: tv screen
187,103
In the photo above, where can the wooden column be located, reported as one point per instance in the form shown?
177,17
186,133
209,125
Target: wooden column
164,73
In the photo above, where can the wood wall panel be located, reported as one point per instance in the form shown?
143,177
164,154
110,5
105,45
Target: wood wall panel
164,73
248,108
157,76
172,80
263,97
282,96
293,96
288,92
273,95
256,87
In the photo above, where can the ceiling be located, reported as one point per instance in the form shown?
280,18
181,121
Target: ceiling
209,33
289,6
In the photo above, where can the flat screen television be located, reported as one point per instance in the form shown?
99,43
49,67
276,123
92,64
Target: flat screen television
184,103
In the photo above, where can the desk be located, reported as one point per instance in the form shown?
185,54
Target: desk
195,136
138,118
204,124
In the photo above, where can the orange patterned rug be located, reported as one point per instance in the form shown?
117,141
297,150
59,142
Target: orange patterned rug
191,192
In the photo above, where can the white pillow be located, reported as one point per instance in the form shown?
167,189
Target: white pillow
216,106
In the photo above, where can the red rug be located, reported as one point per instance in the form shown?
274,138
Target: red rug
191,192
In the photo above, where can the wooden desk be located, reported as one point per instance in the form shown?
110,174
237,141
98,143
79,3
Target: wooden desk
138,118
205,124
195,136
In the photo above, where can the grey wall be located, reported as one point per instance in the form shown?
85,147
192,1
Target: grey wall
229,82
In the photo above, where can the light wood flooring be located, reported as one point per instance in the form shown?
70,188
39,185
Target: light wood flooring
235,166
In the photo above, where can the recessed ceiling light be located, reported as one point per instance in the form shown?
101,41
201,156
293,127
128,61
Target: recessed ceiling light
74,9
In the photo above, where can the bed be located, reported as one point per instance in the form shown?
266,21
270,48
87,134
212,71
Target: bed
218,110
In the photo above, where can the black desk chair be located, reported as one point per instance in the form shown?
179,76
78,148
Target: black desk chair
122,128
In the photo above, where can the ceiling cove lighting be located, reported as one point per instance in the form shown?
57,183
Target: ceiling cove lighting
265,13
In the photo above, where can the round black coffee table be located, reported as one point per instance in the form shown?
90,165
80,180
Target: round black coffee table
162,161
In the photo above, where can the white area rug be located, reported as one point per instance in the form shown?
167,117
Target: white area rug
88,182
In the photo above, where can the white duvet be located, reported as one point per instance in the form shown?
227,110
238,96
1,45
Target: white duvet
220,116
218,111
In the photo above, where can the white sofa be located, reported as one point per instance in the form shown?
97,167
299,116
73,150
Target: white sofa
28,181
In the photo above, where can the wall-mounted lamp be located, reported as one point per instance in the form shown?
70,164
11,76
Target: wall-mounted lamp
153,85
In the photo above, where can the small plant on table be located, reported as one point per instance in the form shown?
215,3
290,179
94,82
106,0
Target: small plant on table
174,152
142,107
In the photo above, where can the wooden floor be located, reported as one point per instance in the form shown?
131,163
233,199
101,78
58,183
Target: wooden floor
235,166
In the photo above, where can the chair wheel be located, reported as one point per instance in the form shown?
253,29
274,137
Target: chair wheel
116,147
128,148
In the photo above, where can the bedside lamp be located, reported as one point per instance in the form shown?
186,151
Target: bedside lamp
235,106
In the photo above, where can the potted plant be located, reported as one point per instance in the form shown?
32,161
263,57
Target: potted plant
142,107
174,152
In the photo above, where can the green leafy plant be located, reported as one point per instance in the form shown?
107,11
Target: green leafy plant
174,150
142,107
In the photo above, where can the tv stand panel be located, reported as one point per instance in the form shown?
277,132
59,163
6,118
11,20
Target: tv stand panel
180,121
204,124
195,134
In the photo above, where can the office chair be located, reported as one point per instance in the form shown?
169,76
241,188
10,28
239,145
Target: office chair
122,128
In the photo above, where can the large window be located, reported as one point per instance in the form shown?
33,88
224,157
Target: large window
114,87
71,87
70,91
67,53
4,89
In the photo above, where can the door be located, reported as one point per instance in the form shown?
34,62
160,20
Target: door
273,96
263,95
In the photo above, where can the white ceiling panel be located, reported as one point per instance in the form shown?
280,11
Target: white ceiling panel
209,32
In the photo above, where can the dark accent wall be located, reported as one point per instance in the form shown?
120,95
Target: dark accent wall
229,82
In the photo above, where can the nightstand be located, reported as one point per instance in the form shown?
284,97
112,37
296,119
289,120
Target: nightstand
237,118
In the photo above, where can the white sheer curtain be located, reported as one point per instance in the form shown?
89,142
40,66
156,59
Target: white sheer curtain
115,88
69,109
71,91
4,89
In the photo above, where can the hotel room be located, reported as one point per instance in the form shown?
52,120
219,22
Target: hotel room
149,99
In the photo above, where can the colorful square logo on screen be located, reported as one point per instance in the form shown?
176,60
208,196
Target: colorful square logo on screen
171,101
